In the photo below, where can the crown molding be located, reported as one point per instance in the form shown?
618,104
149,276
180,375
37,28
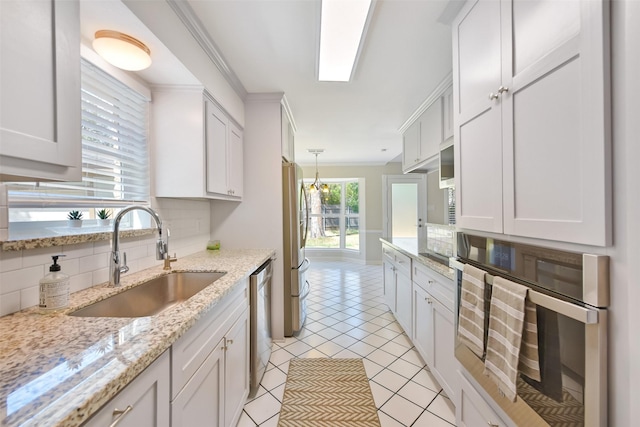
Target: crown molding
186,14
435,94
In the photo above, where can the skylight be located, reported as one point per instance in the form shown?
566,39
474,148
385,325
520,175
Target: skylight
341,29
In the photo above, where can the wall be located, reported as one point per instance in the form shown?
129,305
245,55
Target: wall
87,263
371,250
165,24
257,221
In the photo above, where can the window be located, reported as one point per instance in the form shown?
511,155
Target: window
334,216
115,170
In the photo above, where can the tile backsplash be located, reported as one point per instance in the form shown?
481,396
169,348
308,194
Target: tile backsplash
441,239
88,263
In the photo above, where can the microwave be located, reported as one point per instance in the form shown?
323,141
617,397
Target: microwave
446,164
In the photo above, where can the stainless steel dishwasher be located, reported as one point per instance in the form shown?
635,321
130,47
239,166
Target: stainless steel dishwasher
260,323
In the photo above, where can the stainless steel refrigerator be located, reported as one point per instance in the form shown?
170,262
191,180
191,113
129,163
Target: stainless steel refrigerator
296,227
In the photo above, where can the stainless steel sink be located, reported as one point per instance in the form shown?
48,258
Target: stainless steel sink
151,297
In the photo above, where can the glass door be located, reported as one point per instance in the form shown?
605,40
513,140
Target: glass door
405,207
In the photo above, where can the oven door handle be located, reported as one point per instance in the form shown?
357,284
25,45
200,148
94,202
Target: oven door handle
586,315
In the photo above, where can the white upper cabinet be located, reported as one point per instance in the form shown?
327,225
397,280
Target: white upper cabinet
421,140
447,119
288,135
198,149
531,113
40,134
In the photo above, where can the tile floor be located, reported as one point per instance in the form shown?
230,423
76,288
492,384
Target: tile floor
348,318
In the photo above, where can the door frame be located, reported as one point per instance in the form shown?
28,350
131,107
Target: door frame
387,183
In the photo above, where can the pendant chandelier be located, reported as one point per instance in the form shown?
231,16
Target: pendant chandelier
316,186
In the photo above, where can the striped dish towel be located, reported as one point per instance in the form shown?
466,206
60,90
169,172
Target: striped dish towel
529,363
506,320
471,327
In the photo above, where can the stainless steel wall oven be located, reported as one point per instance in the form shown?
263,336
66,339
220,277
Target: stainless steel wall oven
570,293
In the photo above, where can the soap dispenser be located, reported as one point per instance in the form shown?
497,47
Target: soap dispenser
54,288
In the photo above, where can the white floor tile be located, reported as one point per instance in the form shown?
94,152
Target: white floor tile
330,348
390,380
298,348
426,379
362,348
375,340
271,422
328,333
314,340
427,419
357,333
387,421
245,421
380,394
417,394
443,407
402,410
344,340
273,378
280,356
278,392
391,347
262,408
404,368
346,354
381,357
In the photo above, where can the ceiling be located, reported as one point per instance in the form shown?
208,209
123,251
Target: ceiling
272,46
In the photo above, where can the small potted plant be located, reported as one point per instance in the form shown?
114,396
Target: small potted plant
75,218
103,217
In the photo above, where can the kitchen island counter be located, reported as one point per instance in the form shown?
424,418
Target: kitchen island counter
57,370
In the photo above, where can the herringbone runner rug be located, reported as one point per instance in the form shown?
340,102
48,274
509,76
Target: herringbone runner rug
327,393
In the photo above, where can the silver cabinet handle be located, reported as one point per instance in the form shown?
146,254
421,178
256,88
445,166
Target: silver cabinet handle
229,342
120,413
502,89
493,96
492,424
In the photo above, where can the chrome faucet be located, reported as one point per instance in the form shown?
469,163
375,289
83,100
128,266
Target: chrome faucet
115,267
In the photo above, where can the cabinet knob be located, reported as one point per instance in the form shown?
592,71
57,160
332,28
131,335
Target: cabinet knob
502,89
229,342
119,414
493,96
431,282
492,424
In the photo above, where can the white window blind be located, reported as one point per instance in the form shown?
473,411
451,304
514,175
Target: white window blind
115,170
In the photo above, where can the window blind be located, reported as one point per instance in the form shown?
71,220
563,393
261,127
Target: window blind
115,169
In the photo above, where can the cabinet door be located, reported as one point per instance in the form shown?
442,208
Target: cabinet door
403,301
447,111
40,87
478,140
147,396
411,146
556,137
216,134
389,283
444,361
236,369
423,324
201,401
236,161
431,131
472,410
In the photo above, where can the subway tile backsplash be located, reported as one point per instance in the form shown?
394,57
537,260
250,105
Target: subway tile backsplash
88,263
441,239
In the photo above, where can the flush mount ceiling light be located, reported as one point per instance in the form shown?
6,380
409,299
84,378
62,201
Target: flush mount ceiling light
342,26
316,184
122,50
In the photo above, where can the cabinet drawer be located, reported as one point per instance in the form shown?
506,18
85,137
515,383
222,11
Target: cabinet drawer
191,350
440,287
403,264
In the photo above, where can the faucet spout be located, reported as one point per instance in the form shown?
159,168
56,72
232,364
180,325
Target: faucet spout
116,267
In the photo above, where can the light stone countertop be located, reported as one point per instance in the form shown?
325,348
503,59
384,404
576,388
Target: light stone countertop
409,246
57,370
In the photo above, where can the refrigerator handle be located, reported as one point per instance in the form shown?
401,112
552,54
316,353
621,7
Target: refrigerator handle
303,192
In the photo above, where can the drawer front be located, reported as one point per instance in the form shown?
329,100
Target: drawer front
403,263
438,286
191,350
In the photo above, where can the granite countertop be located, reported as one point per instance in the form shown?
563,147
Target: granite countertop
57,370
409,247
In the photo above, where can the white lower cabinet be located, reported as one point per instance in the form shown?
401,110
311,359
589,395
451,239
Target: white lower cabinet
434,326
215,395
397,286
142,403
472,410
210,367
